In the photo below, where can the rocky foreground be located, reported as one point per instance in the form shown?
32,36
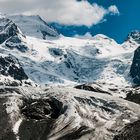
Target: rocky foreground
64,113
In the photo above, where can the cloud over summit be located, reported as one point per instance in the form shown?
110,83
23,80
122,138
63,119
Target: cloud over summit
67,12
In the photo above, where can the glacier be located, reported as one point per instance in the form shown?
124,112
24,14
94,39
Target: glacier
54,87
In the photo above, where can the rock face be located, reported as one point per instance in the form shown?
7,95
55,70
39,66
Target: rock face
135,67
42,108
16,42
11,67
11,38
11,35
133,95
11,72
129,132
7,29
6,132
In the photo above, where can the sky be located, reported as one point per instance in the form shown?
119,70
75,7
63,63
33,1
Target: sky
114,18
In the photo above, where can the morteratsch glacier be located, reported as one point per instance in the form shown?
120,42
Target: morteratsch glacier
54,87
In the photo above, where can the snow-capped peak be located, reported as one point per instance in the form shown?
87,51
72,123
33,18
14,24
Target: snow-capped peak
134,35
101,36
34,26
132,41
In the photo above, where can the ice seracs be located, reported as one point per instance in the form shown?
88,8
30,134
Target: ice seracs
77,60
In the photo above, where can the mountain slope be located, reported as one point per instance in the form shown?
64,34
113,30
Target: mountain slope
11,39
67,60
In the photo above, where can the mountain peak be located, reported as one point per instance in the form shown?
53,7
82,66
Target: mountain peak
34,26
11,36
103,37
135,36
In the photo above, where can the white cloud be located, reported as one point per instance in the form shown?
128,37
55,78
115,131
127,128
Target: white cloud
113,9
68,12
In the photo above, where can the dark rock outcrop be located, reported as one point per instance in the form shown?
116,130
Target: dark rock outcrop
10,66
134,95
42,109
135,67
129,132
16,42
7,29
12,73
6,132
